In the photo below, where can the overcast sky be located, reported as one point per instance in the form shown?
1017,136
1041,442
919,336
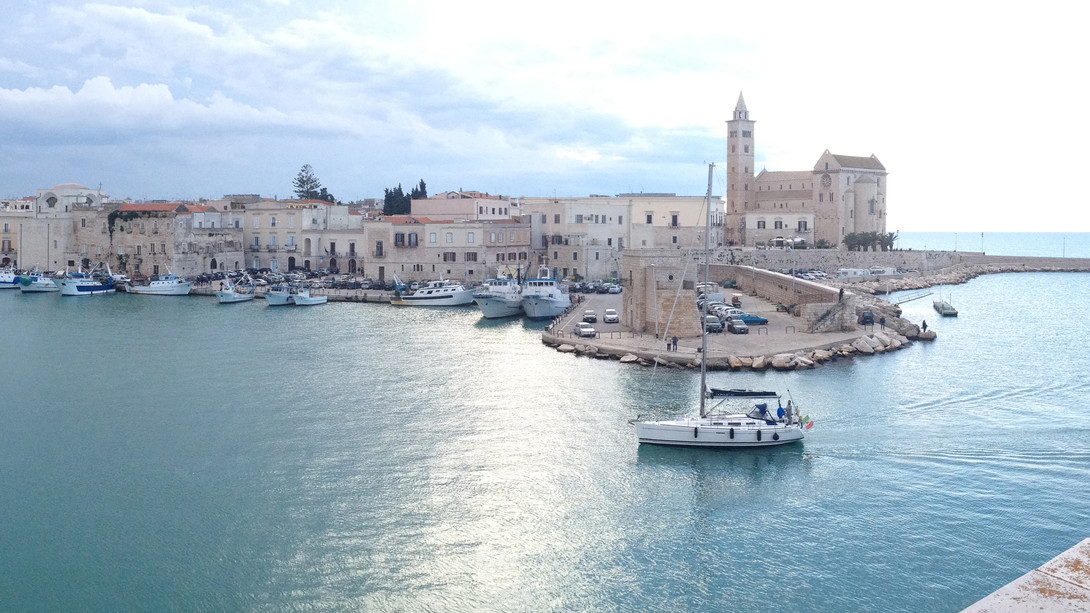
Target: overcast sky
979,114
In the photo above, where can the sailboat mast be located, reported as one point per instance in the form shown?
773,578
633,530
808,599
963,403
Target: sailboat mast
704,312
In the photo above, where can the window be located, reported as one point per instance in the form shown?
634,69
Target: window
761,224
257,223
82,224
556,256
291,222
450,237
512,256
578,219
450,256
747,134
649,218
469,237
747,148
673,239
238,223
471,256
272,222
821,196
138,250
620,220
431,237
574,255
544,219
596,256
609,242
499,257
673,220
257,242
779,225
802,225
399,239
556,218
412,239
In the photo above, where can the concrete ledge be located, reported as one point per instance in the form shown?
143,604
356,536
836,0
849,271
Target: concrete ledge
1062,584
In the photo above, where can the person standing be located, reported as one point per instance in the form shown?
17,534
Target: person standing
925,325
882,322
675,343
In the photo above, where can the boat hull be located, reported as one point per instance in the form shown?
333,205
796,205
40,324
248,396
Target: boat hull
278,299
169,289
229,297
460,298
496,307
707,433
84,287
544,307
38,285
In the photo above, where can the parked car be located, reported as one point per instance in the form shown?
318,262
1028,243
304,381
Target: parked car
712,323
585,329
737,326
590,316
753,320
611,316
866,318
614,288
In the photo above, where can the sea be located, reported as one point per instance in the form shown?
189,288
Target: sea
171,453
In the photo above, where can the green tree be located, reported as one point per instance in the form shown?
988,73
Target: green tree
307,185
397,202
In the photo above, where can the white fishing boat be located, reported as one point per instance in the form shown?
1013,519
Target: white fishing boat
543,297
36,281
736,420
280,295
302,297
241,291
85,283
8,278
169,284
433,293
499,297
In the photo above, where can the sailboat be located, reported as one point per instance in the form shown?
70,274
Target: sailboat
738,420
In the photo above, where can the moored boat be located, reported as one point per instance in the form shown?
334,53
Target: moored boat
36,281
499,298
302,297
280,295
544,298
85,283
8,278
163,285
242,291
434,293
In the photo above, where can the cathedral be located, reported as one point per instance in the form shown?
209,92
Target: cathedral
840,195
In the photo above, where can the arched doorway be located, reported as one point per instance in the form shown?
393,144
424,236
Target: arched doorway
351,267
291,263
306,264
306,247
212,266
333,263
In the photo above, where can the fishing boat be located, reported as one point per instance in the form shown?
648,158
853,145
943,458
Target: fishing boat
241,291
736,421
36,281
433,293
302,297
8,278
499,297
280,295
86,283
543,297
163,285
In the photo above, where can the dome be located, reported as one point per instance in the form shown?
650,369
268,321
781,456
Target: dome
69,186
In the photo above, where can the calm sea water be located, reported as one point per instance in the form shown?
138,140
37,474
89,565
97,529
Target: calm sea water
1037,244
175,454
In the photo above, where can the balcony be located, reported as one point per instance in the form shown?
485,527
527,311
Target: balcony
253,248
270,248
289,247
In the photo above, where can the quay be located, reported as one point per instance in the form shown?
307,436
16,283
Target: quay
1060,585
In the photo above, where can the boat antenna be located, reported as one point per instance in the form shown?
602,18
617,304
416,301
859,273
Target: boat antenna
704,312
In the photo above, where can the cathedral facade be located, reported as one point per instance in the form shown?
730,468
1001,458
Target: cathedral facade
840,195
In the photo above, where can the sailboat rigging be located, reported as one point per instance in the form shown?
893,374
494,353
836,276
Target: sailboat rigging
726,425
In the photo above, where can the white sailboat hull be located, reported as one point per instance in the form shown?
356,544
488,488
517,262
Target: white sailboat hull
708,432
230,296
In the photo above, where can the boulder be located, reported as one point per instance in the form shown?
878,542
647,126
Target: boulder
883,338
749,362
803,362
735,363
783,361
894,344
821,355
566,348
628,358
757,363
873,342
862,346
928,336
589,350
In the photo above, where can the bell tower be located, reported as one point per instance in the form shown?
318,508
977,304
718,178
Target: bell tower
740,156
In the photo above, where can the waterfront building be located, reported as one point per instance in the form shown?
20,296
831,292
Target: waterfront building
461,205
39,230
840,195
587,237
154,238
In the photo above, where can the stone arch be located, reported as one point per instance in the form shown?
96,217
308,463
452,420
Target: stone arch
351,267
332,263
212,265
291,262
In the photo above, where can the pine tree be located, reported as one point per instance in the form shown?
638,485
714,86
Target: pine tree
307,185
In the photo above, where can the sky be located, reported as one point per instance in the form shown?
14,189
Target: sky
974,109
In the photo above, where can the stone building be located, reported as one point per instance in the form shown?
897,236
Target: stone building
40,230
840,195
588,237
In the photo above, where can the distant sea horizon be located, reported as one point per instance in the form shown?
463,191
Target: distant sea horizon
1030,244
